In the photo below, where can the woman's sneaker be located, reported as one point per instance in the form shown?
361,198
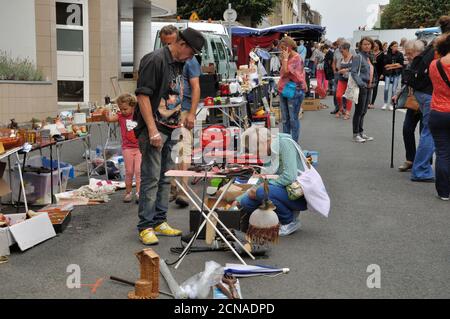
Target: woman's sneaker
358,139
128,198
289,228
367,138
384,107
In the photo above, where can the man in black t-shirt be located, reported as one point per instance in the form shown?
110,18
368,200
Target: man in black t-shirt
160,73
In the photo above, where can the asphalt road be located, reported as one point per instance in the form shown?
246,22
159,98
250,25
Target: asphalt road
378,217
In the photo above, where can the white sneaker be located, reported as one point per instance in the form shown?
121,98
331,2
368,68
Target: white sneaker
358,139
384,107
443,198
391,108
289,228
367,138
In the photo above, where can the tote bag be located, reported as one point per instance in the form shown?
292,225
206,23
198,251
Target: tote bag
313,187
407,100
352,91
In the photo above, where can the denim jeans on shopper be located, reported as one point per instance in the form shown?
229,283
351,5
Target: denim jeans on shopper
387,82
440,128
422,168
412,118
155,186
279,197
361,110
290,110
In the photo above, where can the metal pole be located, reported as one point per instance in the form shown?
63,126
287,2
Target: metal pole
393,131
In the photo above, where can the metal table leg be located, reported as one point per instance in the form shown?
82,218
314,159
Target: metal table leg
22,184
51,173
211,223
58,157
21,170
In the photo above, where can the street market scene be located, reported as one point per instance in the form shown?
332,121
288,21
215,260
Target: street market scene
280,149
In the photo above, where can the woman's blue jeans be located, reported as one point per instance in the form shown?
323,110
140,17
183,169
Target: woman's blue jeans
279,197
290,110
387,82
422,168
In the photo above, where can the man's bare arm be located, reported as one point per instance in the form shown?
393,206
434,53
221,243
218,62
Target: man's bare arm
145,107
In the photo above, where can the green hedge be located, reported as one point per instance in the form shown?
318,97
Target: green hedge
18,69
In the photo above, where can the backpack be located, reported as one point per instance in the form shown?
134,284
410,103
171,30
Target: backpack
417,75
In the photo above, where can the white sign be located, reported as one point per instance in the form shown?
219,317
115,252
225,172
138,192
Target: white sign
230,15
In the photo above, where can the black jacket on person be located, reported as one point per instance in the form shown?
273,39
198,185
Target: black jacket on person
328,65
392,58
417,76
155,71
378,63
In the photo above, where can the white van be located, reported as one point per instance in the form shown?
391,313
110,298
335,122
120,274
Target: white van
216,49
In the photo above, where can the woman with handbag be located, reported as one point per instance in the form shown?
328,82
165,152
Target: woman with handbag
322,82
344,70
362,73
440,114
292,87
284,161
413,115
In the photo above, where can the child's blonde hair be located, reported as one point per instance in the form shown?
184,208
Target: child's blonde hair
126,98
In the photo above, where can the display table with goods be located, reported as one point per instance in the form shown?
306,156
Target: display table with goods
234,112
208,207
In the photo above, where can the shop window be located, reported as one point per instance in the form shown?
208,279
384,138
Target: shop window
70,91
69,40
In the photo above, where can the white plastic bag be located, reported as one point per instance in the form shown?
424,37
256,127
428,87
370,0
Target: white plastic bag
199,285
313,187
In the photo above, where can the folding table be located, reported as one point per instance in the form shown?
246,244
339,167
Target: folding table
8,154
225,109
59,145
197,202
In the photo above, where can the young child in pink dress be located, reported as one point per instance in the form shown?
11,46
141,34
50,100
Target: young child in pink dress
130,146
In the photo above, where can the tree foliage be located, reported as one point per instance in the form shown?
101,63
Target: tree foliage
253,9
400,14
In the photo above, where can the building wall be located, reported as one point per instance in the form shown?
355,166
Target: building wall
104,58
21,42
283,13
23,101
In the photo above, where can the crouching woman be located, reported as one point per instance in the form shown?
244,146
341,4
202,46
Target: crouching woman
281,158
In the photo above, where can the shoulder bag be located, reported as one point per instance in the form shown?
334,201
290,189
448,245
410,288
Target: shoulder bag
312,185
352,91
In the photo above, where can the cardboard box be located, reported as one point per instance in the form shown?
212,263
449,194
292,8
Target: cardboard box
311,104
27,233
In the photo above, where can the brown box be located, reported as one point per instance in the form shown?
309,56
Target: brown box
311,104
